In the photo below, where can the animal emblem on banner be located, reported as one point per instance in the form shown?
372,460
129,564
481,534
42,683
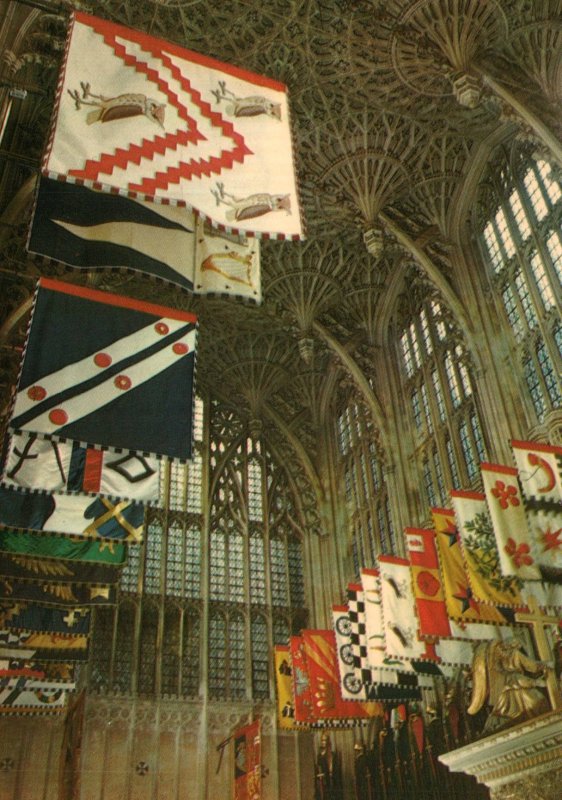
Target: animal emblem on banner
254,205
251,106
121,106
205,121
225,264
398,586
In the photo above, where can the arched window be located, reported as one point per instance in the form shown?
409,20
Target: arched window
366,494
448,438
520,235
253,555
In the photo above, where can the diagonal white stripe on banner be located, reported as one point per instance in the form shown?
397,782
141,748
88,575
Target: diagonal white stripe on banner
80,406
172,247
86,368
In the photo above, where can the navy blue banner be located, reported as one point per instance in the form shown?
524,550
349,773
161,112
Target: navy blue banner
107,370
33,617
66,214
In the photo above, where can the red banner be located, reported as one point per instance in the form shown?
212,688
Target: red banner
325,691
301,682
247,762
427,583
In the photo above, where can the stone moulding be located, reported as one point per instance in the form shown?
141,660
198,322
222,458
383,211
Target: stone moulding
513,754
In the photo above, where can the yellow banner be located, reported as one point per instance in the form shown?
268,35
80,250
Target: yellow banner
285,706
461,604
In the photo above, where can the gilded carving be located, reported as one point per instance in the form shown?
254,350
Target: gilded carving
507,679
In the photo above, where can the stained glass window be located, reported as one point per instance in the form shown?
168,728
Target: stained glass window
251,556
528,273
192,562
131,570
452,462
194,484
468,450
236,655
428,482
296,576
278,572
217,557
153,556
281,630
260,657
365,487
218,666
493,245
257,569
175,560
441,389
235,580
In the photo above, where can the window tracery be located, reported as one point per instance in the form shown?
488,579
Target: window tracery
252,578
257,564
521,242
436,370
365,487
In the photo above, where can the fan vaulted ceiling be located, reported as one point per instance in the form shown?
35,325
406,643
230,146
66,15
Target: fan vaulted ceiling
395,106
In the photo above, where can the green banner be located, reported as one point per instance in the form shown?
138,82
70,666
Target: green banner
62,547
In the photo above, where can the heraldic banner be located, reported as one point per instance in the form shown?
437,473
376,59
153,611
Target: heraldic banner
156,121
247,762
112,372
96,230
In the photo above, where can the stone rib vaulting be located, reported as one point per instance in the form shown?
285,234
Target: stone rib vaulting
413,333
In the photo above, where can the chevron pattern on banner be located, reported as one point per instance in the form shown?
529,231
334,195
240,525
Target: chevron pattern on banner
157,121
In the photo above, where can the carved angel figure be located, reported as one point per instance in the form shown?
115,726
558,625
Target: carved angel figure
507,679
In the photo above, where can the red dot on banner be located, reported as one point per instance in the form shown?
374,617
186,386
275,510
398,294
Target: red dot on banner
102,359
180,348
428,583
36,393
161,328
58,416
123,382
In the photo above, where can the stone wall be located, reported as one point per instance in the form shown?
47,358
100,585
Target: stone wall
135,749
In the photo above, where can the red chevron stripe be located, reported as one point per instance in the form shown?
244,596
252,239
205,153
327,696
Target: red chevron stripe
102,26
147,149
